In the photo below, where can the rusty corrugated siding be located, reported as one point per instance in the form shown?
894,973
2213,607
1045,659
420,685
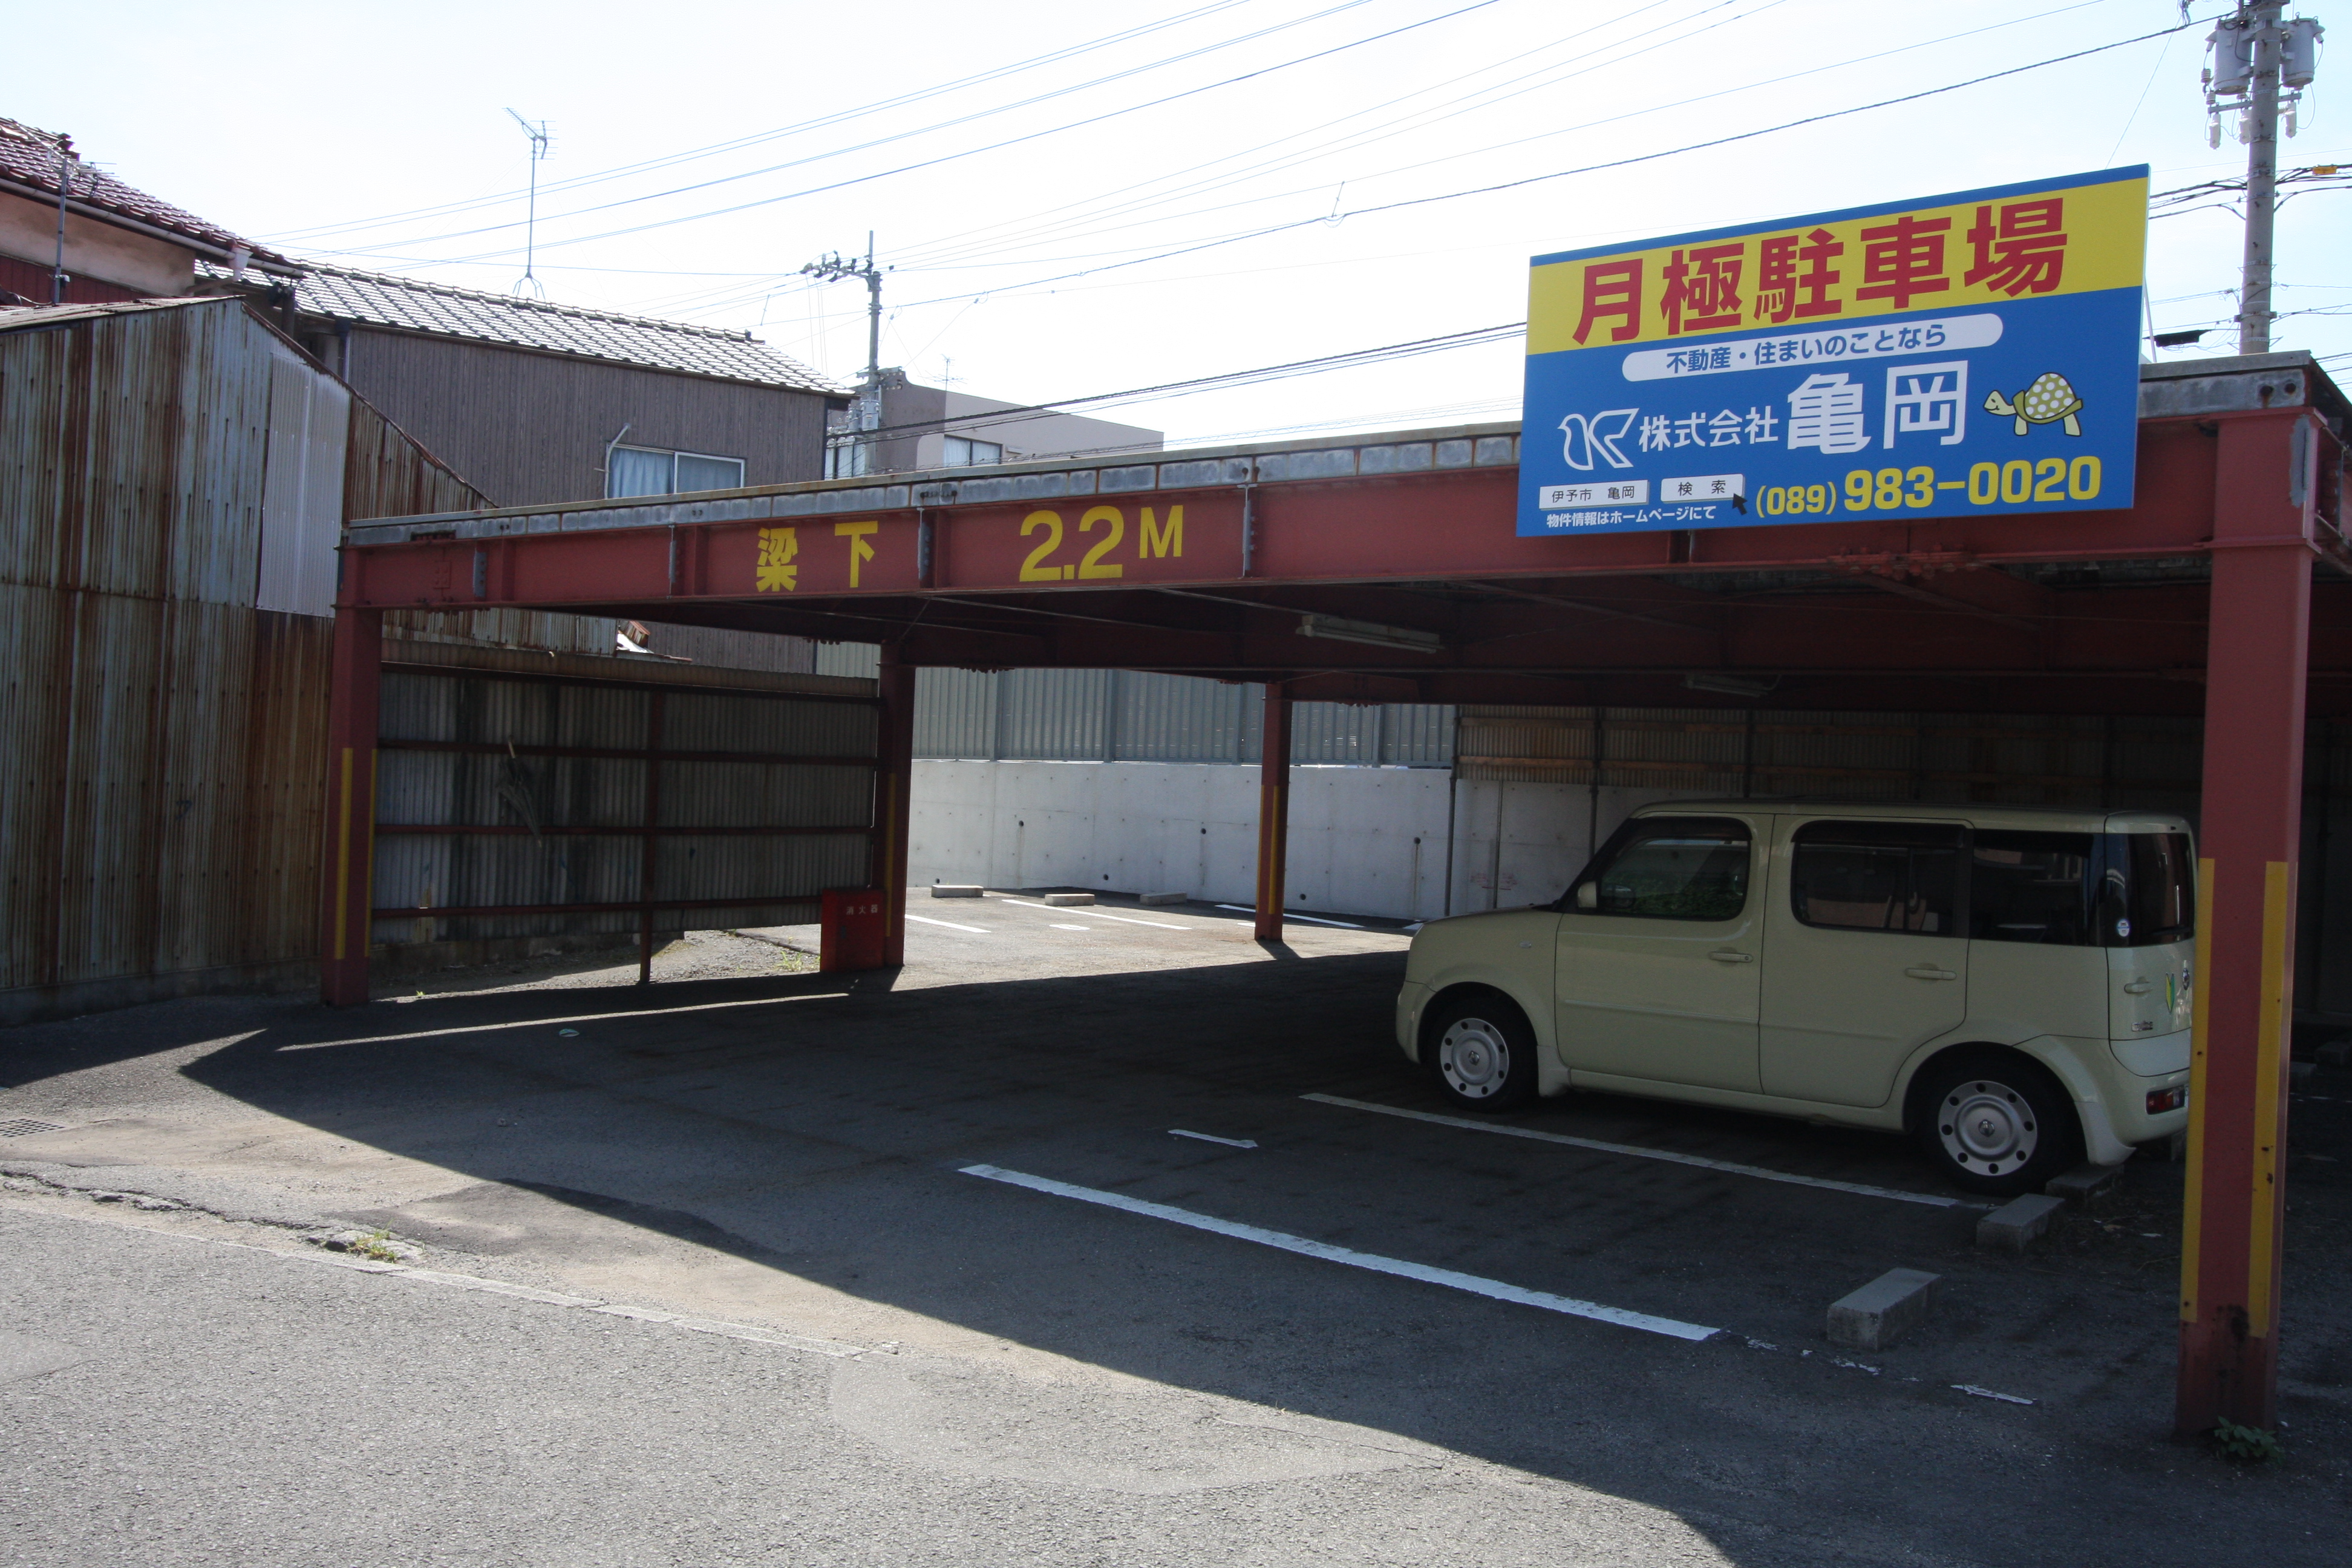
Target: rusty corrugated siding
2007,759
160,814
131,449
536,797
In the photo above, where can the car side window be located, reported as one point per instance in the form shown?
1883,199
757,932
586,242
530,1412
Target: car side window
1878,876
1668,868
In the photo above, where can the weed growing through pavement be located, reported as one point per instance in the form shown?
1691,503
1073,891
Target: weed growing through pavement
376,1245
2247,1444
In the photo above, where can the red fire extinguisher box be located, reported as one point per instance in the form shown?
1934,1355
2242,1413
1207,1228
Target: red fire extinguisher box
853,929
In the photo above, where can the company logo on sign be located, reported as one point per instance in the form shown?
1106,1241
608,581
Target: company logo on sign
1973,353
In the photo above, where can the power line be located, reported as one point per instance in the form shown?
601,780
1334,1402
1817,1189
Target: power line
820,122
914,259
959,153
1348,361
1627,161
1254,233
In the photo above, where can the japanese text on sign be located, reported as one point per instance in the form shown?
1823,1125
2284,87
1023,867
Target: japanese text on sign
1945,327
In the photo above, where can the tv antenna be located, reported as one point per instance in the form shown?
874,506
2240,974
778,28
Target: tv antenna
539,139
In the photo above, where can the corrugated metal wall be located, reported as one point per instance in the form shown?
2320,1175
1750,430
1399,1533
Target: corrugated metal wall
2007,759
160,827
1130,716
159,813
546,789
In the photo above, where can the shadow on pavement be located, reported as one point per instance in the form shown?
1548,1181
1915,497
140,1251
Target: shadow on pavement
816,1125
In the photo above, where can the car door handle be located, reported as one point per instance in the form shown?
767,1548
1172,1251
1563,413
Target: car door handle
1727,955
2139,987
1929,972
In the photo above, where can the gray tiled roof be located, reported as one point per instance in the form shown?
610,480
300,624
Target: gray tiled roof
411,305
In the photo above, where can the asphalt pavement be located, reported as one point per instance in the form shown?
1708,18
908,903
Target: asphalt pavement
1040,1249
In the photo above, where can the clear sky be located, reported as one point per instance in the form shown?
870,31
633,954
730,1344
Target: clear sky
1071,195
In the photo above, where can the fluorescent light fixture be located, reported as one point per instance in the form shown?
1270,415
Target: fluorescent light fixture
1731,685
1338,630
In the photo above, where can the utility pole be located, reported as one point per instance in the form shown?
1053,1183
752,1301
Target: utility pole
67,163
2254,53
868,413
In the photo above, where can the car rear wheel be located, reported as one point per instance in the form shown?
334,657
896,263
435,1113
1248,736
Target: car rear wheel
1482,1052
1998,1124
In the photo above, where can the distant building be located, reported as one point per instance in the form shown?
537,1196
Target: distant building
933,428
120,243
536,402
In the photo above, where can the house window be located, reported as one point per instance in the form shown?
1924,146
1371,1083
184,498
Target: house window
965,453
643,471
846,459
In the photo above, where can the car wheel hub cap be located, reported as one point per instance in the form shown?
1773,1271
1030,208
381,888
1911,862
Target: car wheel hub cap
1988,1126
1475,1058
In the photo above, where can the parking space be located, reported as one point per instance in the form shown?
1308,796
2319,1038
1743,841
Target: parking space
1132,1141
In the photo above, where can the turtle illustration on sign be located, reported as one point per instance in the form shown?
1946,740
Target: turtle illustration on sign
2051,398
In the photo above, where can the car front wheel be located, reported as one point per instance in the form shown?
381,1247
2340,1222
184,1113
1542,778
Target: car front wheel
1482,1052
1998,1124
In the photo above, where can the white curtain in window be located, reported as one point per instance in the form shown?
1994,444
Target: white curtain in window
700,473
633,471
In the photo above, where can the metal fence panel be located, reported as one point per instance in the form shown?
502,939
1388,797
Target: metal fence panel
955,713
1053,715
569,831
1178,719
1135,716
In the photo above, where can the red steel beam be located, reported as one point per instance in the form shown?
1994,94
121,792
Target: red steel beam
894,780
2263,512
619,907
1453,525
625,754
855,829
1273,811
353,677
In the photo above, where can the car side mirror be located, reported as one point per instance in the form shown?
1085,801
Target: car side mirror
1588,895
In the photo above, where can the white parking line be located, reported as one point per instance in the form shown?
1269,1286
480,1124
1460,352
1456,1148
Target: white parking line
1989,1394
1473,1284
548,1023
1098,914
927,919
1310,920
1931,1199
1058,926
1212,1138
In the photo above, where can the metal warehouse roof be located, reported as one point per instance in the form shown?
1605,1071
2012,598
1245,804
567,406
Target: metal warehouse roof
28,161
412,305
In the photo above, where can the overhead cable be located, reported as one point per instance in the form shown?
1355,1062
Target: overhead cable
838,117
954,156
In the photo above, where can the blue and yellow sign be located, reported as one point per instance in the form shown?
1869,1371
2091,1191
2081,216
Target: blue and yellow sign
1970,354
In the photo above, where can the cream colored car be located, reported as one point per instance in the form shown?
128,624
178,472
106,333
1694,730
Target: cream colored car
2009,985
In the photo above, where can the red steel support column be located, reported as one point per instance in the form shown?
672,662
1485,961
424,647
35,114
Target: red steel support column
349,865
2258,645
893,777
1273,811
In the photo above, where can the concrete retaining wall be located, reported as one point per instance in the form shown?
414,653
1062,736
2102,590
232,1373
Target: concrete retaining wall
1364,840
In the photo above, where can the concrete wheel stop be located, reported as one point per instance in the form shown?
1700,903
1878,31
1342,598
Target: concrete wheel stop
2018,1223
1884,1310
